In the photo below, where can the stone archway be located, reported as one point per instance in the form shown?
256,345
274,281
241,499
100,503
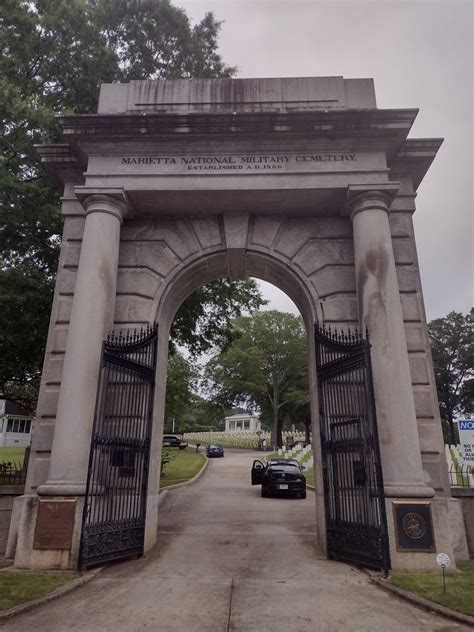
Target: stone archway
301,182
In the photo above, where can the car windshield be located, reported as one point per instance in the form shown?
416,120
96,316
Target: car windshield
284,467
214,447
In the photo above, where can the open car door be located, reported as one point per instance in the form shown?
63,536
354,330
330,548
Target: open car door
258,469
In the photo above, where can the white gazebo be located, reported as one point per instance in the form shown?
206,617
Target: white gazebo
242,423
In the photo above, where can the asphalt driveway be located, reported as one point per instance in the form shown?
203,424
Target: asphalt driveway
228,560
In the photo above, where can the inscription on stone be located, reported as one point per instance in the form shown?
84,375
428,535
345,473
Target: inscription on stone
241,162
55,524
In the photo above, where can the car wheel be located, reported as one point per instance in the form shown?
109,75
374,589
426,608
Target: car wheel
264,493
303,495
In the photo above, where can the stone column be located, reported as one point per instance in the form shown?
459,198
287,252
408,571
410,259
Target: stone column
92,317
380,311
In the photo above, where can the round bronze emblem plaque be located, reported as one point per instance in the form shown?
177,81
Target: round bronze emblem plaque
414,525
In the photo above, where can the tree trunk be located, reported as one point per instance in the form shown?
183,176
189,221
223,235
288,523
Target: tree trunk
279,434
274,432
307,426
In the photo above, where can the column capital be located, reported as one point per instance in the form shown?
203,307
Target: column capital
97,200
362,197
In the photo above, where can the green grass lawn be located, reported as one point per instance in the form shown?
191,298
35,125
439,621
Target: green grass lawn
459,587
17,588
185,465
12,455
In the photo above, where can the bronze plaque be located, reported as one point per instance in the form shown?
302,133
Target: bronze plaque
55,524
413,526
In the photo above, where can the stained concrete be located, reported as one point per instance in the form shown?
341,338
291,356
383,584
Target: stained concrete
228,560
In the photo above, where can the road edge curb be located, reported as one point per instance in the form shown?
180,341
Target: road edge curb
59,592
188,482
426,604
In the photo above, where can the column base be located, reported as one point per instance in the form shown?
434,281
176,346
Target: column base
21,542
407,490
448,536
62,488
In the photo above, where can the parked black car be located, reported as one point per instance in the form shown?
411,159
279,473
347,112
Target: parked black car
283,478
214,450
171,441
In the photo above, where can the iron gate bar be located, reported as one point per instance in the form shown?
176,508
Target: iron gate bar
356,521
113,524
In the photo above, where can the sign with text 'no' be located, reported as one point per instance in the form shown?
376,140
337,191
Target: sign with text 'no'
466,440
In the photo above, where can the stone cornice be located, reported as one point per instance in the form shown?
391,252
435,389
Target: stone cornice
414,158
393,123
62,163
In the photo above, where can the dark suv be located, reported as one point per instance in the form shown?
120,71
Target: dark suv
171,441
279,478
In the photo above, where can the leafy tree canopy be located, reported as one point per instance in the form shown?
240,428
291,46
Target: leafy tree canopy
54,54
452,345
264,368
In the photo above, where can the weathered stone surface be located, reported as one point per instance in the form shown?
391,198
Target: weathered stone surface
43,437
72,252
177,235
419,369
316,254
411,307
407,278
424,404
340,308
138,281
415,335
59,339
73,228
431,439
400,225
53,369
66,280
38,469
48,401
132,309
295,233
64,306
207,231
333,280
432,466
403,251
264,230
155,255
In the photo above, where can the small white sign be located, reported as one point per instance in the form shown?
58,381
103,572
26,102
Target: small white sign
466,440
443,560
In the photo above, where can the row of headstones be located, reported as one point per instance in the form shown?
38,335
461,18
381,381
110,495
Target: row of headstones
454,465
299,453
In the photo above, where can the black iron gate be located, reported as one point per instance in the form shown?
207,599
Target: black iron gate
113,523
356,521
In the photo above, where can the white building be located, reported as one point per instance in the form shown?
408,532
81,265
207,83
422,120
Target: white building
242,423
15,425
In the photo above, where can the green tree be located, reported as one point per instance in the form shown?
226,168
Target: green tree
181,383
54,54
262,367
452,346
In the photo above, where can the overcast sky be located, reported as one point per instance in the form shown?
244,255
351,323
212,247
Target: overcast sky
420,55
